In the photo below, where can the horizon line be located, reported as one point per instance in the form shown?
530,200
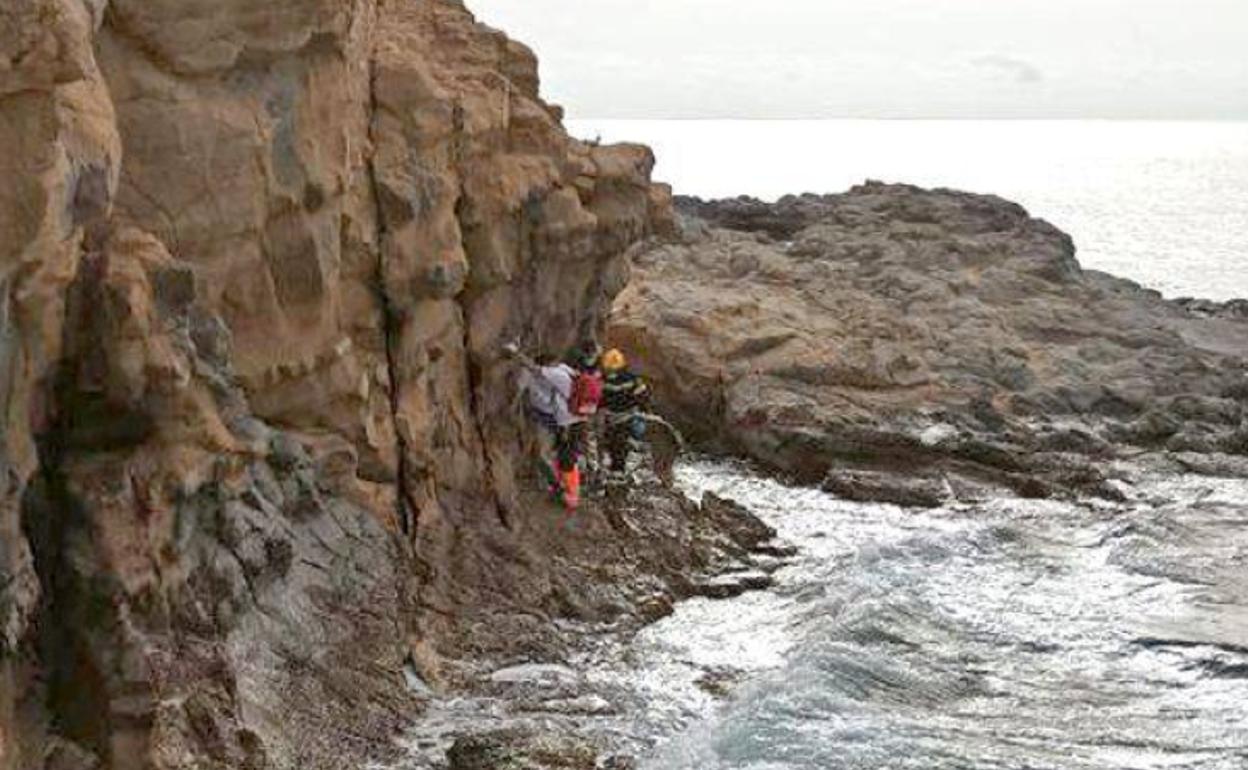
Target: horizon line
937,118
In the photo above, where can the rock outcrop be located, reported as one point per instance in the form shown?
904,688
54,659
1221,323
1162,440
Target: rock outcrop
946,335
256,265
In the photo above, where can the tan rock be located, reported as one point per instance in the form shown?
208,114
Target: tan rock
257,263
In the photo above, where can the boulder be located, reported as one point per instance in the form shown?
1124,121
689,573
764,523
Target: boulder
736,521
866,486
732,584
521,749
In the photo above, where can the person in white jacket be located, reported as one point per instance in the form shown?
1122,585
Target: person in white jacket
546,384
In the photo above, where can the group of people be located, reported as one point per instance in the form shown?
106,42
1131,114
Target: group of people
569,398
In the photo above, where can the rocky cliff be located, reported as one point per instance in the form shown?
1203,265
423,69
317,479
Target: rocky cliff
943,335
256,264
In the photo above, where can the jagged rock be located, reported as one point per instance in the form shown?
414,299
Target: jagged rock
1236,308
655,608
719,681
776,550
1212,464
522,750
898,329
536,675
583,705
732,584
876,487
745,529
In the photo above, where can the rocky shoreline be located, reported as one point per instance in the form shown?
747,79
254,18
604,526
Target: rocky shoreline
911,346
264,494
519,696
814,337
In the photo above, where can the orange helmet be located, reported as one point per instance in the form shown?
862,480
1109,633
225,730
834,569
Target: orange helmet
613,360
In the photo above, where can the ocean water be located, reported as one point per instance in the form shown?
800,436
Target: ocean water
1161,203
994,635
1008,635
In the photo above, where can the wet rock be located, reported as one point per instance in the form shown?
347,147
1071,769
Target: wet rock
883,487
777,549
416,683
537,675
1237,391
719,681
767,564
1073,440
733,584
1190,440
584,705
521,750
1234,309
1152,428
1227,466
1236,441
736,521
655,608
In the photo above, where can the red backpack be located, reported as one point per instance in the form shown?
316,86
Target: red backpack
586,394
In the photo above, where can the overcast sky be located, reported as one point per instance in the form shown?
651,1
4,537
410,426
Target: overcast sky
886,58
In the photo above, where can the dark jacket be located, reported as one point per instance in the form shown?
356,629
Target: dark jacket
624,392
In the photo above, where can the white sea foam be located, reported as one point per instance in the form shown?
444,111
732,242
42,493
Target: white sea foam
1014,634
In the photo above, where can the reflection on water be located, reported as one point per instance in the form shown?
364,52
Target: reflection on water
1018,634
1161,203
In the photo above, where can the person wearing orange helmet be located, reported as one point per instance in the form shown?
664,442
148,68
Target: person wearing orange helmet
625,396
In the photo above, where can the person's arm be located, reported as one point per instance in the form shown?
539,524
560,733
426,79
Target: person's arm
641,392
512,350
528,370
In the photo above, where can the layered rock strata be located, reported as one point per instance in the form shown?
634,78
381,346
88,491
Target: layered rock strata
257,262
945,335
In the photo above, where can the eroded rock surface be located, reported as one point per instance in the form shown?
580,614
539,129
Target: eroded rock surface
945,335
257,262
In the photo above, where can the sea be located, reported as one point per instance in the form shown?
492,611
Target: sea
1162,203
1000,635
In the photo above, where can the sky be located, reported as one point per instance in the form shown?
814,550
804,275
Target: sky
886,58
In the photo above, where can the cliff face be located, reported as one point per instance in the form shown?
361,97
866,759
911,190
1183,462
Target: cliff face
256,264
